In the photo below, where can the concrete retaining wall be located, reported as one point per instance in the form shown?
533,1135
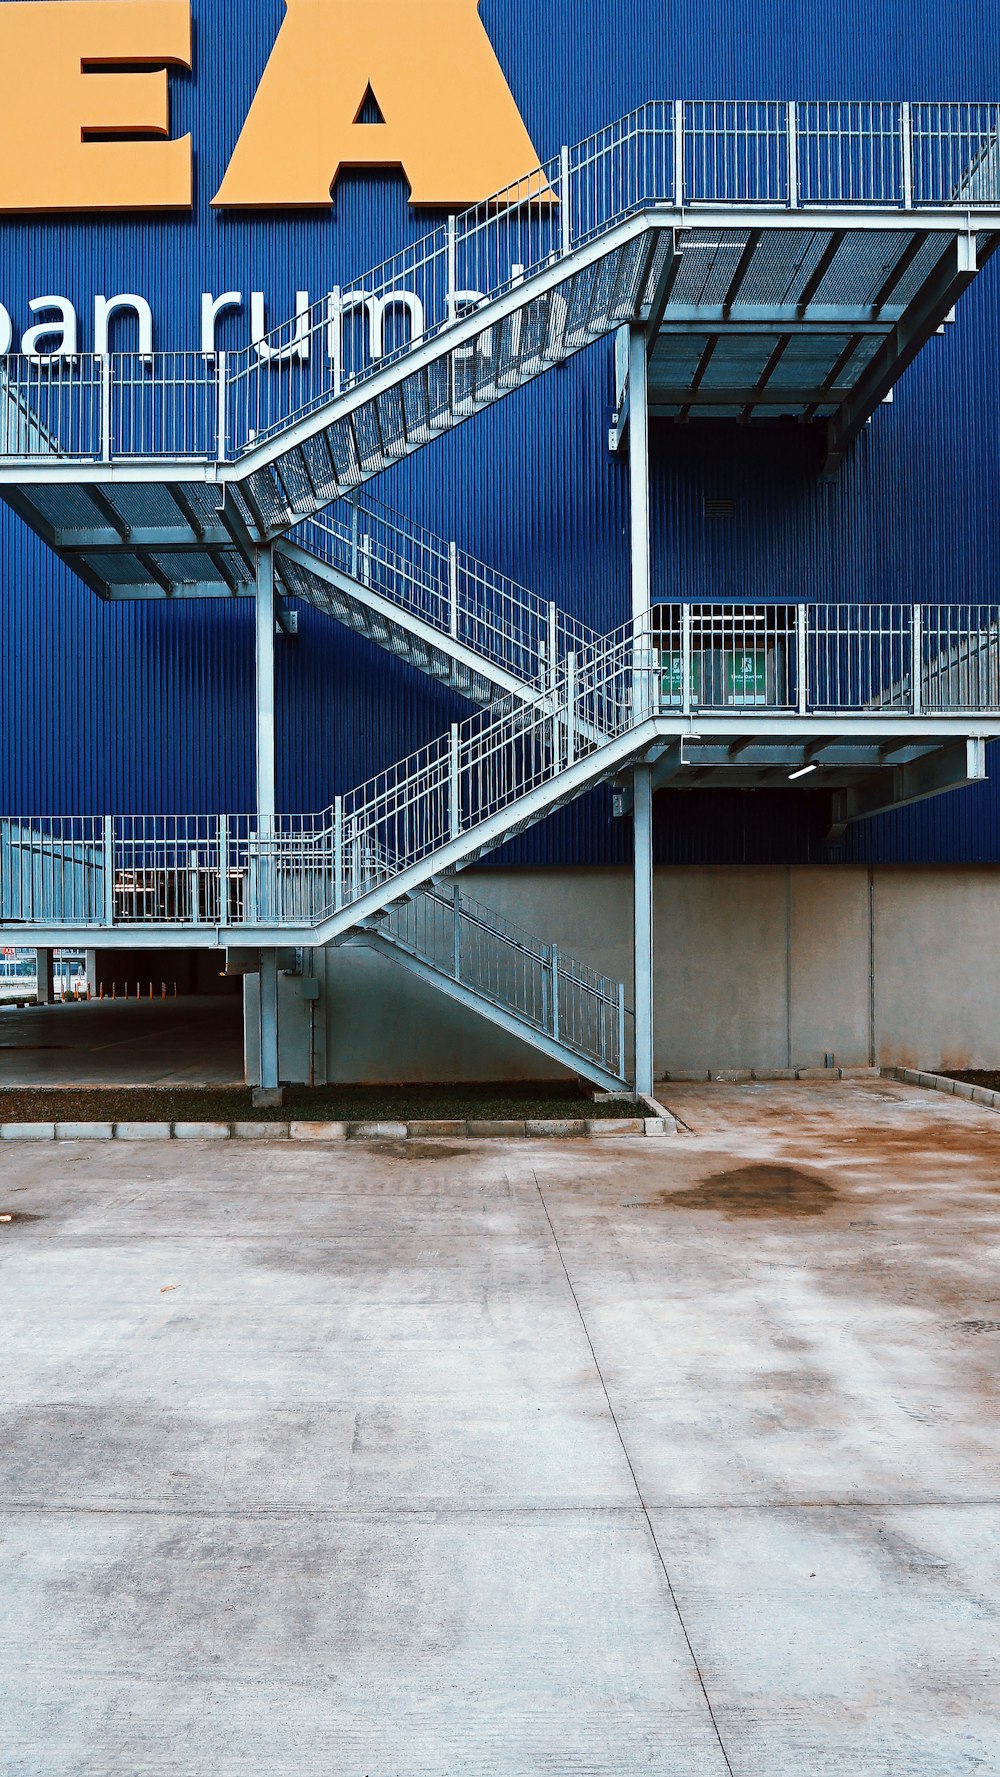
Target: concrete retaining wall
763,968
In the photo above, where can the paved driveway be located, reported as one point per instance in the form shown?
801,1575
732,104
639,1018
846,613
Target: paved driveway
669,1458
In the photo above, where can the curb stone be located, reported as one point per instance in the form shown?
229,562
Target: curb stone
485,1129
909,1076
318,1131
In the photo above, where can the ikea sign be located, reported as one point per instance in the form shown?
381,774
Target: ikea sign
85,118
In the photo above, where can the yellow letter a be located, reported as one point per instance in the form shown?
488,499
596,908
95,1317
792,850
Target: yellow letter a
450,118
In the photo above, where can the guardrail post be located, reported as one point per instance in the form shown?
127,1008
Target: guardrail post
570,710
553,646
793,154
555,991
354,541
564,197
906,152
335,340
455,799
453,589
621,1029
194,887
679,153
686,660
338,854
452,269
109,870
221,408
223,870
105,407
802,635
457,934
917,658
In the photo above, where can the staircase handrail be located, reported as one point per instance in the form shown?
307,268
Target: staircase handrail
874,155
451,590
492,958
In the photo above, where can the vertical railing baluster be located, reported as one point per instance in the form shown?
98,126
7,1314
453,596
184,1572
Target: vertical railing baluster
679,154
109,870
455,798
906,152
793,154
221,407
554,955
338,854
223,840
802,636
453,589
916,659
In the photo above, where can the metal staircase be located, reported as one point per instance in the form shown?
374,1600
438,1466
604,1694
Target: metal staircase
532,990
834,236
489,779
430,603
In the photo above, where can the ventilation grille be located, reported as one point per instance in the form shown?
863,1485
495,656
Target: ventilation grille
719,507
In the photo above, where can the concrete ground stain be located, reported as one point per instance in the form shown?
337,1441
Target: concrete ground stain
759,1190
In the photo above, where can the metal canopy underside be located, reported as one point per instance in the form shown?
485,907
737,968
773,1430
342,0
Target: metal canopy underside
751,317
815,324
868,766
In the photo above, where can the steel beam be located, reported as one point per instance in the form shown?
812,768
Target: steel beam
950,277
949,768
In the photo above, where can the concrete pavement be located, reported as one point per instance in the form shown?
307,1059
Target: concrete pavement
499,1459
194,1041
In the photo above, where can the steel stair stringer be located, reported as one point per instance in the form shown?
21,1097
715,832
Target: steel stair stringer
422,599
533,991
466,848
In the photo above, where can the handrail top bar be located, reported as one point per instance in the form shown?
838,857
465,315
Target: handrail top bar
537,184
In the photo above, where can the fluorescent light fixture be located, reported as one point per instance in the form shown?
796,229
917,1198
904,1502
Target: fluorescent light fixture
803,771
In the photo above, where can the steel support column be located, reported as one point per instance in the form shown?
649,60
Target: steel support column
264,723
638,381
642,808
642,816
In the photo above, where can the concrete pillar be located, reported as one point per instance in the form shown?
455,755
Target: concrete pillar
264,724
643,922
270,1090
46,977
90,969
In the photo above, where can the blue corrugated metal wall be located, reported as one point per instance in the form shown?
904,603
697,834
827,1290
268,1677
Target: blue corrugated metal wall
148,708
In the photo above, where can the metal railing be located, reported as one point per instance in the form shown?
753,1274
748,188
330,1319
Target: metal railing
302,870
540,984
876,154
492,615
